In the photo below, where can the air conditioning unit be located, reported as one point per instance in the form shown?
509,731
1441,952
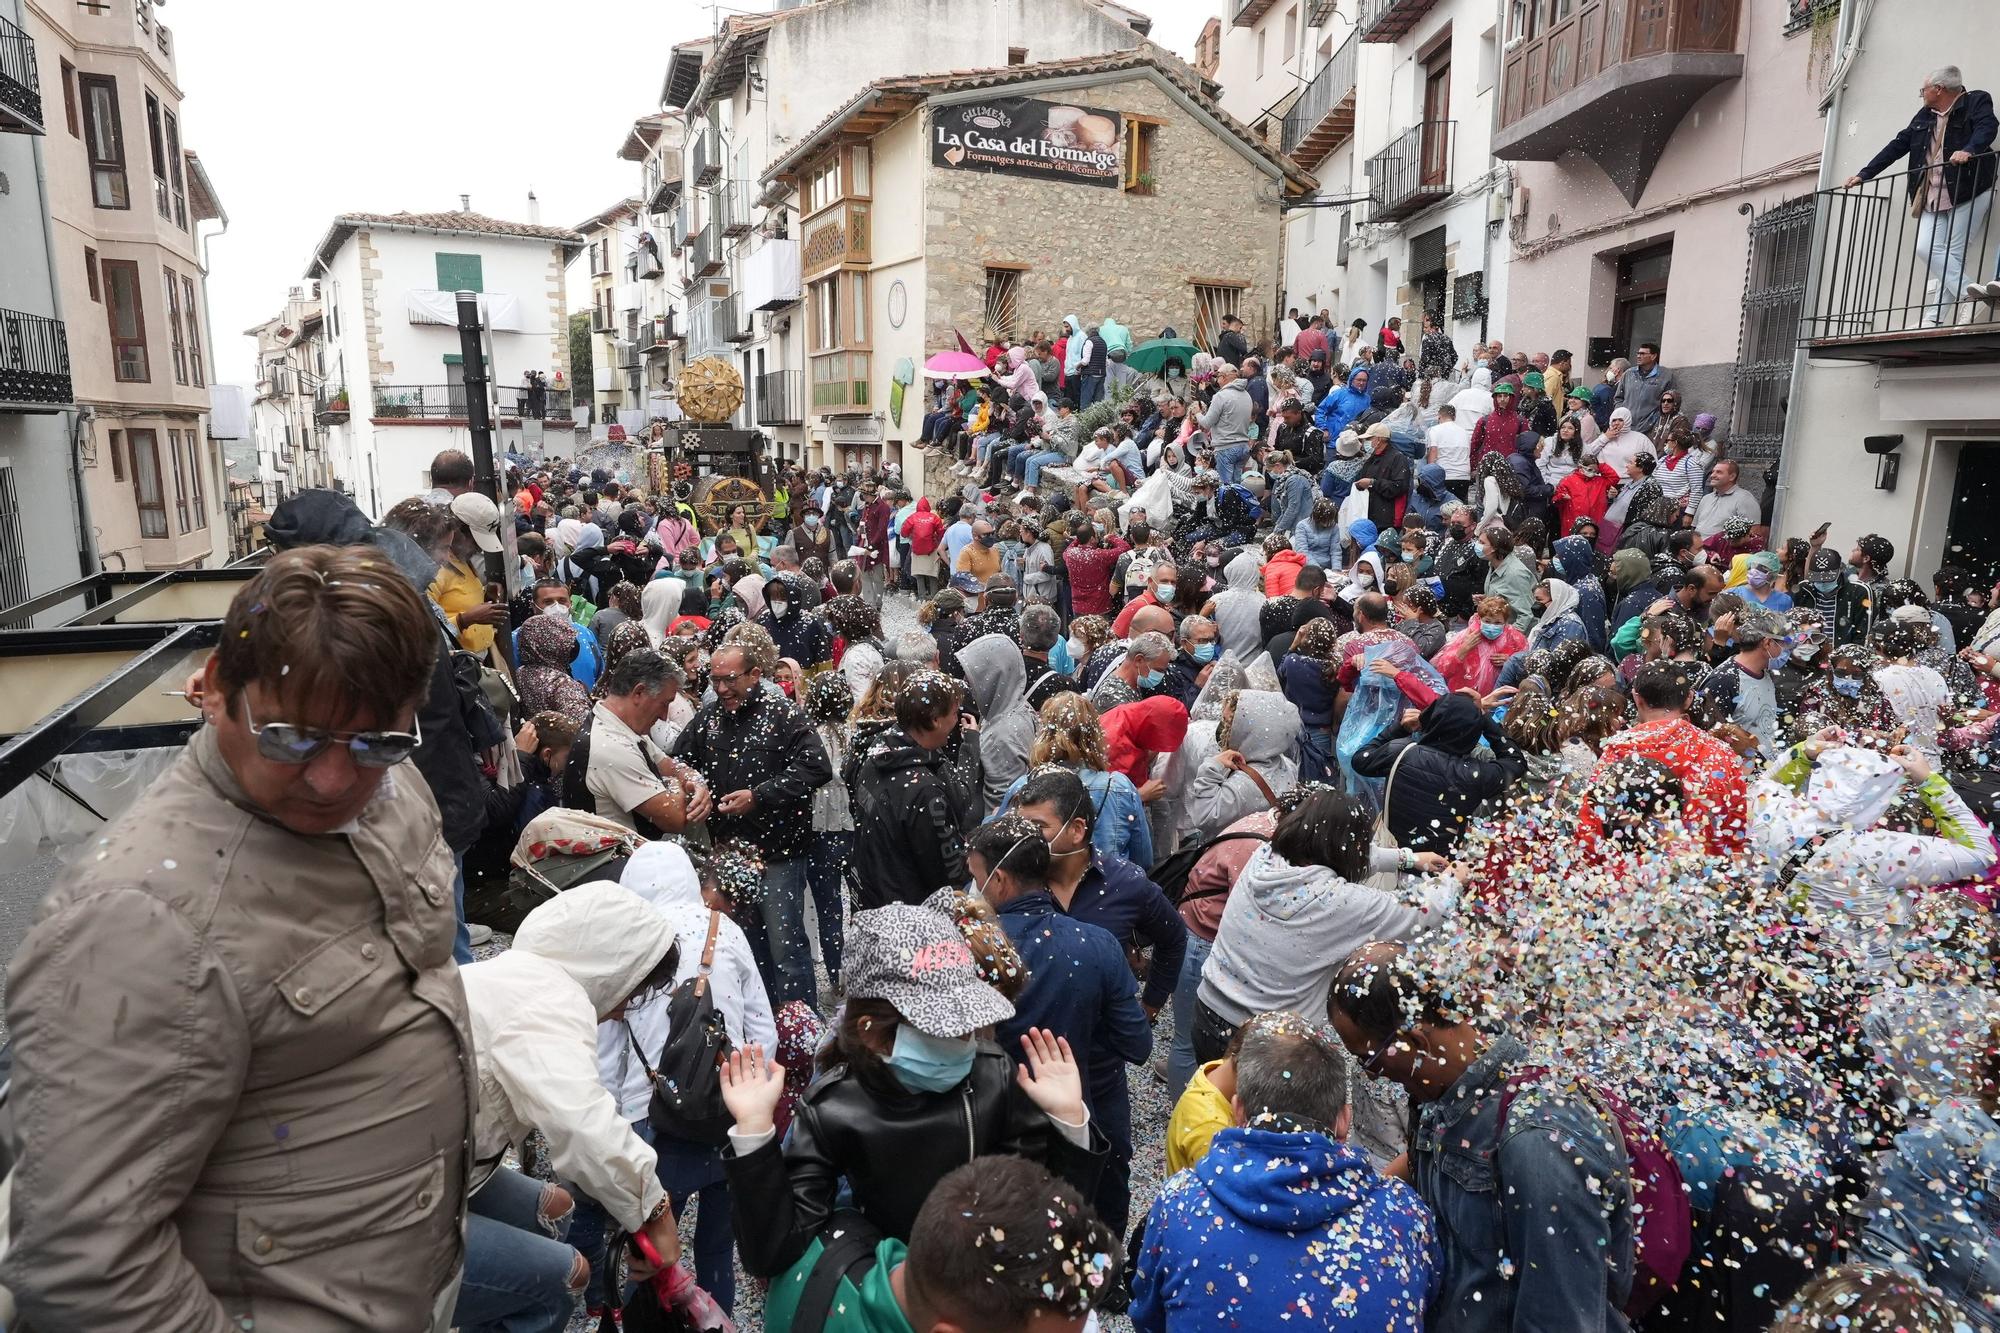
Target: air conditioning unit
1517,207
781,323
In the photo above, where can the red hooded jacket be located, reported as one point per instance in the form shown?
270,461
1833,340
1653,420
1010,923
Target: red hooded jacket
1135,732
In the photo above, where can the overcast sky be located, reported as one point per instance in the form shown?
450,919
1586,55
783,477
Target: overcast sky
301,112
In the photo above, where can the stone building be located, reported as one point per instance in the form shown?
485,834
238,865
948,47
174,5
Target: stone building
1164,213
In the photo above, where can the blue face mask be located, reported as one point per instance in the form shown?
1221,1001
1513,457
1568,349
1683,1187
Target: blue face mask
1492,631
1204,652
1825,585
1848,685
1151,680
924,1063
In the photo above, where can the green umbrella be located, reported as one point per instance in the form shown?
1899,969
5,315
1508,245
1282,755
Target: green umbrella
1151,357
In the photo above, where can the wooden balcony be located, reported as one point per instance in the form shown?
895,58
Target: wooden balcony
1612,79
833,237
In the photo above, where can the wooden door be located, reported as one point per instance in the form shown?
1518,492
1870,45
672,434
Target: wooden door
1436,166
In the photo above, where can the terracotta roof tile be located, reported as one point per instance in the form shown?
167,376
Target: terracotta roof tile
475,222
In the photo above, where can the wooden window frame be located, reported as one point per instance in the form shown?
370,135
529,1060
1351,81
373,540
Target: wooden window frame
197,494
171,281
145,446
117,441
1141,133
70,116
112,169
156,141
92,279
176,170
119,342
193,331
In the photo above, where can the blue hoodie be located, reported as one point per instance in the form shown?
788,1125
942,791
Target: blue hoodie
1290,1231
1342,406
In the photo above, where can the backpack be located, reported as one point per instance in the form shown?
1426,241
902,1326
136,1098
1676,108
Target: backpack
1172,872
687,1085
576,793
923,536
848,1242
1662,1222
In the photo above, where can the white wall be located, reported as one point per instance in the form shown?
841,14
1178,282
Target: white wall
1936,409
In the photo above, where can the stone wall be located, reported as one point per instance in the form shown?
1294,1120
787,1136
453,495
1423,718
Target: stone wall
1092,251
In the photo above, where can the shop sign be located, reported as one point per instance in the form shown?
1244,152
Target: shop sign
1021,136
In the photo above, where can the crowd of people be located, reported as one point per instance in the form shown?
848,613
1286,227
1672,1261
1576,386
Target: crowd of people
1568,901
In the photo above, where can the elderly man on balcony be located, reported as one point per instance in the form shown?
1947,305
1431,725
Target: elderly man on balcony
1949,147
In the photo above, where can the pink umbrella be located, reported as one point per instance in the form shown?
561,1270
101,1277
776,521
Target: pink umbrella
956,366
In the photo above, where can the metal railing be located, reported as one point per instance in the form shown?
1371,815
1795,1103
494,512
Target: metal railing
705,252
729,208
1386,20
659,332
1329,88
780,398
704,158
434,402
732,319
20,86
330,403
1414,171
34,359
1242,13
1880,270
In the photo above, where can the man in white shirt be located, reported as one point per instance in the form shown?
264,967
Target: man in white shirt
1725,502
1451,449
631,779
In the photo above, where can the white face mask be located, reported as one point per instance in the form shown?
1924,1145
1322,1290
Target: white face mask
556,610
1075,646
778,608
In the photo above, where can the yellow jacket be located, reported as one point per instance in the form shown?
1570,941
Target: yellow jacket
1198,1117
457,589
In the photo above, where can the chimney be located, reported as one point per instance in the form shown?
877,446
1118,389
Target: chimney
534,210
465,203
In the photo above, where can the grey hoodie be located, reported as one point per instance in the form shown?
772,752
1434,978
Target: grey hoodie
1227,420
1266,733
1239,608
999,680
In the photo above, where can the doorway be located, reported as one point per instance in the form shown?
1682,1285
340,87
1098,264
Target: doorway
1436,164
1640,313
1972,540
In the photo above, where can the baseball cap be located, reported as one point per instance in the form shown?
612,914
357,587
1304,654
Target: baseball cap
917,960
1379,431
481,517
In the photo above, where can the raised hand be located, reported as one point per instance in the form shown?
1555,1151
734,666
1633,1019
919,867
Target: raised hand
751,1088
1051,1077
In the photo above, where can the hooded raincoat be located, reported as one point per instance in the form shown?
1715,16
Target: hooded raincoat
1239,606
535,1012
546,646
659,606
1265,732
1135,732
1341,407
999,681
1577,559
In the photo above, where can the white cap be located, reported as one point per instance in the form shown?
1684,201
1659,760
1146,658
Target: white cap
481,517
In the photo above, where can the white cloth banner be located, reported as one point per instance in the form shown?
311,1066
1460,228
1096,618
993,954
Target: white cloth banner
502,312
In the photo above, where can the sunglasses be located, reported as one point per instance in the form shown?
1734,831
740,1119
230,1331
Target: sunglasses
283,743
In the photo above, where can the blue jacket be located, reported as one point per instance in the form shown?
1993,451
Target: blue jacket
1342,406
1936,1207
1079,987
1116,895
1634,603
1119,826
589,657
1535,1223
1275,1230
1317,544
1305,682
1291,500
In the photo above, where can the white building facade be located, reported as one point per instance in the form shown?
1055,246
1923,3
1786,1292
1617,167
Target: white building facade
394,389
1894,421
1389,103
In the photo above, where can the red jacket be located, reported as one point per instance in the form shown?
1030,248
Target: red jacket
1584,493
1495,433
1717,797
1135,732
1281,573
1090,575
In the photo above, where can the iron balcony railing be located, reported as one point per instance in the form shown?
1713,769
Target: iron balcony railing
20,86
1886,267
1332,86
434,402
705,252
1244,13
330,403
1386,20
659,331
729,208
704,161
34,360
1413,172
732,319
780,398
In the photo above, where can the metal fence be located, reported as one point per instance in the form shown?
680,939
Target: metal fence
34,359
20,88
1886,264
1333,83
1414,171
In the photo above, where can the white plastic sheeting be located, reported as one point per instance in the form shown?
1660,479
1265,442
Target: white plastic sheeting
502,312
36,818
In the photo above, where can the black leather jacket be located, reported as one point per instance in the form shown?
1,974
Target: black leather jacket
891,1147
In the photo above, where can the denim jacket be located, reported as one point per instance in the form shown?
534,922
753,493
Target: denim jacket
1536,1225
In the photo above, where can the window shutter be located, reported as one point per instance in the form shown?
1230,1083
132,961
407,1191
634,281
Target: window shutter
459,273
